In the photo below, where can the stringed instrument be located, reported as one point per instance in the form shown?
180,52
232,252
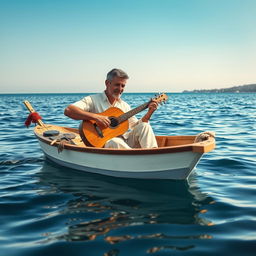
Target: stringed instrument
95,136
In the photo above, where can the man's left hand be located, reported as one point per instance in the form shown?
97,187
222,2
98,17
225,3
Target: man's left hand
152,106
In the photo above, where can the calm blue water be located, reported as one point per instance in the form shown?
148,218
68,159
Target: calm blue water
49,210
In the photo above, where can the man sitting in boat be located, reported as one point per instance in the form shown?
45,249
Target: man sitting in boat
140,133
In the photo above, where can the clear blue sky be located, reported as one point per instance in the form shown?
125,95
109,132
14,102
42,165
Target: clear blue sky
164,45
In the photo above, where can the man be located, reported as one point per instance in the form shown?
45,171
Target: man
140,134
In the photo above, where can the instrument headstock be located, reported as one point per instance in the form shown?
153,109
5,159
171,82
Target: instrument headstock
161,98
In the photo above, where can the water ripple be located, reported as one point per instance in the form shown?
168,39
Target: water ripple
22,161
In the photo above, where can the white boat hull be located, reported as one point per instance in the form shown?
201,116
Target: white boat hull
150,166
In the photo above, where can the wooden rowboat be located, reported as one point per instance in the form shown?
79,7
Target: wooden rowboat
175,158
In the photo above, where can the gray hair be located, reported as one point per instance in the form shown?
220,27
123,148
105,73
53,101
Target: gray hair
116,73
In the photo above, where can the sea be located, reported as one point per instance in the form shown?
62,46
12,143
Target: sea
49,210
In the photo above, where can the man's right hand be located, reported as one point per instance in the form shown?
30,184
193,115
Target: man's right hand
102,121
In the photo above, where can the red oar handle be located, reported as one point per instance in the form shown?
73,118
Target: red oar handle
31,110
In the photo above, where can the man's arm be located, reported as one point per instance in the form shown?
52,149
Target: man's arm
151,109
77,113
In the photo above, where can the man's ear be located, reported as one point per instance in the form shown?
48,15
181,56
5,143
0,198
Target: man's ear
107,82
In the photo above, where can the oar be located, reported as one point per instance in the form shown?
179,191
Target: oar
31,110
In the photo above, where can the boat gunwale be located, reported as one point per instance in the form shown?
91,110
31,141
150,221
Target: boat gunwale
136,151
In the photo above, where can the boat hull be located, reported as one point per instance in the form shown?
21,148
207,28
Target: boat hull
177,165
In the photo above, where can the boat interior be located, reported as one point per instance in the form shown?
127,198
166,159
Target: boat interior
163,141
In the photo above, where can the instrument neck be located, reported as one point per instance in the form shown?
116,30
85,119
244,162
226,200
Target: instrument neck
132,112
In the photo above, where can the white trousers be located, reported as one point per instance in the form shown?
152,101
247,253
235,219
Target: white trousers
141,136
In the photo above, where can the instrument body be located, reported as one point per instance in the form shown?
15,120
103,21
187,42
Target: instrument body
90,135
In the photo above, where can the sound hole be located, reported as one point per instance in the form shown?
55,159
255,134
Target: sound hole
114,122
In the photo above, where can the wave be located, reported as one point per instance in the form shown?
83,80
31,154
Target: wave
22,161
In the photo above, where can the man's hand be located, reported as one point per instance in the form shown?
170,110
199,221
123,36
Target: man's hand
102,121
152,107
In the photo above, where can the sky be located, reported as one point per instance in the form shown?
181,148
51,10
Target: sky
163,45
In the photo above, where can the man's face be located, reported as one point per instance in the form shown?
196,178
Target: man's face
116,87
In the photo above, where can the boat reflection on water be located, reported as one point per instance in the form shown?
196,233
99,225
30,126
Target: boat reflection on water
106,207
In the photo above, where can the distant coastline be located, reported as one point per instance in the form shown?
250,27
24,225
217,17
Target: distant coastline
240,88
235,89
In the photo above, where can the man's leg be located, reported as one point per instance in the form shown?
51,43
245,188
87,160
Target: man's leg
142,136
116,143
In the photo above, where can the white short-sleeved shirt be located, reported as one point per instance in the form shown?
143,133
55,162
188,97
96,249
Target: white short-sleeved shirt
98,103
